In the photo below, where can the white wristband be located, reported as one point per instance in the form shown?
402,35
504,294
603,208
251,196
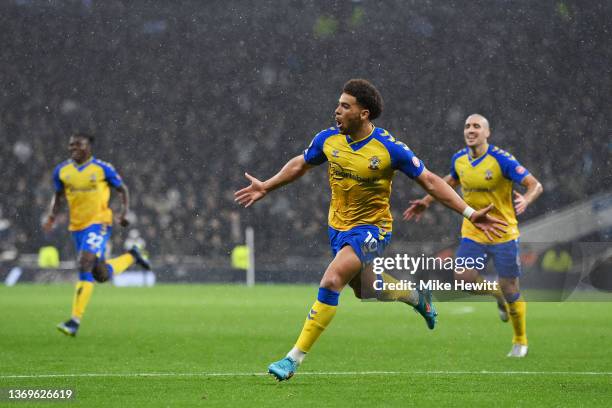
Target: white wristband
467,213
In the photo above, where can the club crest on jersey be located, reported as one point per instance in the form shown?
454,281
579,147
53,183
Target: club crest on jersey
92,178
335,153
488,175
374,163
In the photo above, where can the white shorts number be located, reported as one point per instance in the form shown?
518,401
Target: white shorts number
370,244
94,240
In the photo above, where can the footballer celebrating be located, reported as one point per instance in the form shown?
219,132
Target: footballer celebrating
486,174
85,183
362,159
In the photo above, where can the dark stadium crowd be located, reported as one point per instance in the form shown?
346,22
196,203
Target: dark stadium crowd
184,100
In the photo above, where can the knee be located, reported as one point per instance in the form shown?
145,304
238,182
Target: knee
467,275
460,277
100,273
509,288
357,291
100,277
331,282
86,263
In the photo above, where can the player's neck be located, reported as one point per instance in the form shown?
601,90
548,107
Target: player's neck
477,151
363,132
88,158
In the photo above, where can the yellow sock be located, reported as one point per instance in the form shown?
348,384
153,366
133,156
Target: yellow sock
317,320
120,263
82,294
403,295
518,316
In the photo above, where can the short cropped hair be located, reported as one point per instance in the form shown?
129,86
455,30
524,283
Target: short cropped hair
366,94
83,135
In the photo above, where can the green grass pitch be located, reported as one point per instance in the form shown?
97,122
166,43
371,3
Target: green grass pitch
195,345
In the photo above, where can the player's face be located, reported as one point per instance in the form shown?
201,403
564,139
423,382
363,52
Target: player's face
349,114
79,148
476,131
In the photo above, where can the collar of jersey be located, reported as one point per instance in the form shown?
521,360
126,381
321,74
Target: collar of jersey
82,166
477,161
358,145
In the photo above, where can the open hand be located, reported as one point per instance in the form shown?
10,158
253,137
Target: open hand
123,221
488,224
254,192
49,223
520,203
416,210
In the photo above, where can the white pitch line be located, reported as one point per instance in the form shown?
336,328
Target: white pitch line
311,373
462,310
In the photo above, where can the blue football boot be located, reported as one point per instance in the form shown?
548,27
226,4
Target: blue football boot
283,369
426,308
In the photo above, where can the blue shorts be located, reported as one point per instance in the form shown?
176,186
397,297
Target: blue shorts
92,239
506,256
366,240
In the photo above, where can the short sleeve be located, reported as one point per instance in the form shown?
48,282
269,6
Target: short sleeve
453,172
511,168
57,182
314,153
110,174
404,160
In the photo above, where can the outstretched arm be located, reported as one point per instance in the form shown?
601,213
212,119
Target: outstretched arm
418,207
54,208
534,189
441,191
125,204
294,169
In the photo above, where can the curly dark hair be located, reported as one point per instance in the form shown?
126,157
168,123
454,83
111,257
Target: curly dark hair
83,135
366,94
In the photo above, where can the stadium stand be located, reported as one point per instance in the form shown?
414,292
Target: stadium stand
183,101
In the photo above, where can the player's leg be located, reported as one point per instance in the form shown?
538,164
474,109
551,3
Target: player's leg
508,265
421,301
477,255
121,263
106,269
86,262
91,245
339,273
517,308
359,291
369,243
82,294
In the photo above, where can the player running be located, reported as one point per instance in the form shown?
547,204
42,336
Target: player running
486,174
85,183
362,160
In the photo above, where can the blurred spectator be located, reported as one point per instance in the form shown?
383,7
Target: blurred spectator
184,99
8,251
557,259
